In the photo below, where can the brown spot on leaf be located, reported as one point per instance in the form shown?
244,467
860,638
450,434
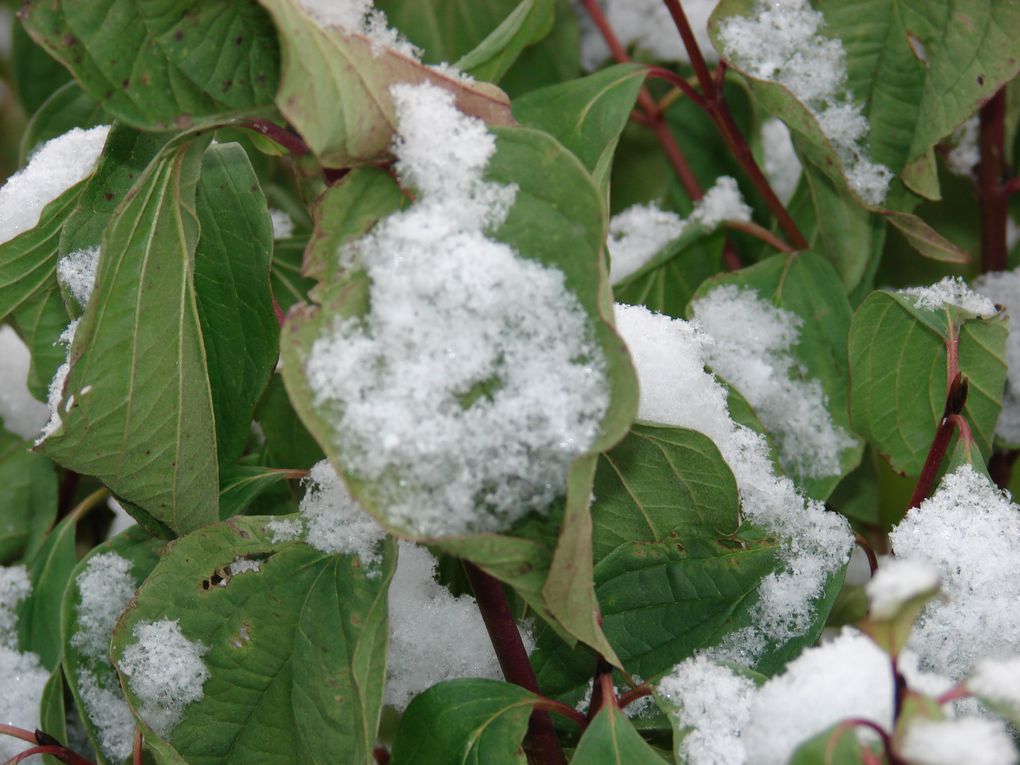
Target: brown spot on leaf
179,35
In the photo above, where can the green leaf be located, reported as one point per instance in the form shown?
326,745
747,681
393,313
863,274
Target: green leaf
660,484
528,23
288,443
36,76
898,374
142,552
335,88
142,416
67,107
231,283
913,100
557,58
28,498
610,738
290,286
806,285
586,115
295,650
163,65
925,239
836,745
49,570
481,722
52,714
40,321
240,485
346,211
558,220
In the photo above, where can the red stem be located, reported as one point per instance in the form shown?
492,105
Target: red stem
513,659
556,707
381,755
634,694
887,743
991,190
1000,466
136,747
715,105
955,401
1012,186
290,141
865,545
24,735
953,694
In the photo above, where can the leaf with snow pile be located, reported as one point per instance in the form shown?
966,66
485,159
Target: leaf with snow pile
806,285
142,552
335,88
465,721
898,364
610,739
163,66
557,220
295,648
586,115
231,283
67,107
142,416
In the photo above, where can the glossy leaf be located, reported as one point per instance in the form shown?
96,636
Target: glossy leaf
481,722
610,739
142,415
334,88
586,115
295,649
162,65
898,373
231,282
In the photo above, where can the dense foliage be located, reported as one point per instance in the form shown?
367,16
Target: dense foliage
433,381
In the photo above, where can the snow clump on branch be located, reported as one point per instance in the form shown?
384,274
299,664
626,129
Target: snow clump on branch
474,379
782,42
670,356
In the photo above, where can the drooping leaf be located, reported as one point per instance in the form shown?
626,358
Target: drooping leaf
85,672
335,87
898,374
240,485
557,219
806,285
28,498
925,239
586,115
469,721
163,65
526,24
295,649
231,282
610,739
141,419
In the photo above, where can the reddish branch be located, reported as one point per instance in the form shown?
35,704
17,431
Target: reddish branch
869,551
513,659
634,694
290,141
951,420
43,743
991,190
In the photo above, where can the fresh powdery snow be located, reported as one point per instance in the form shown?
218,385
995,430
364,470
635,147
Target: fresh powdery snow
951,291
332,521
77,272
22,414
426,623
736,723
781,165
55,167
670,356
783,42
752,349
648,27
361,17
105,588
474,379
966,153
640,231
968,531
970,740
997,681
23,676
165,671
56,391
896,583
283,224
1003,287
